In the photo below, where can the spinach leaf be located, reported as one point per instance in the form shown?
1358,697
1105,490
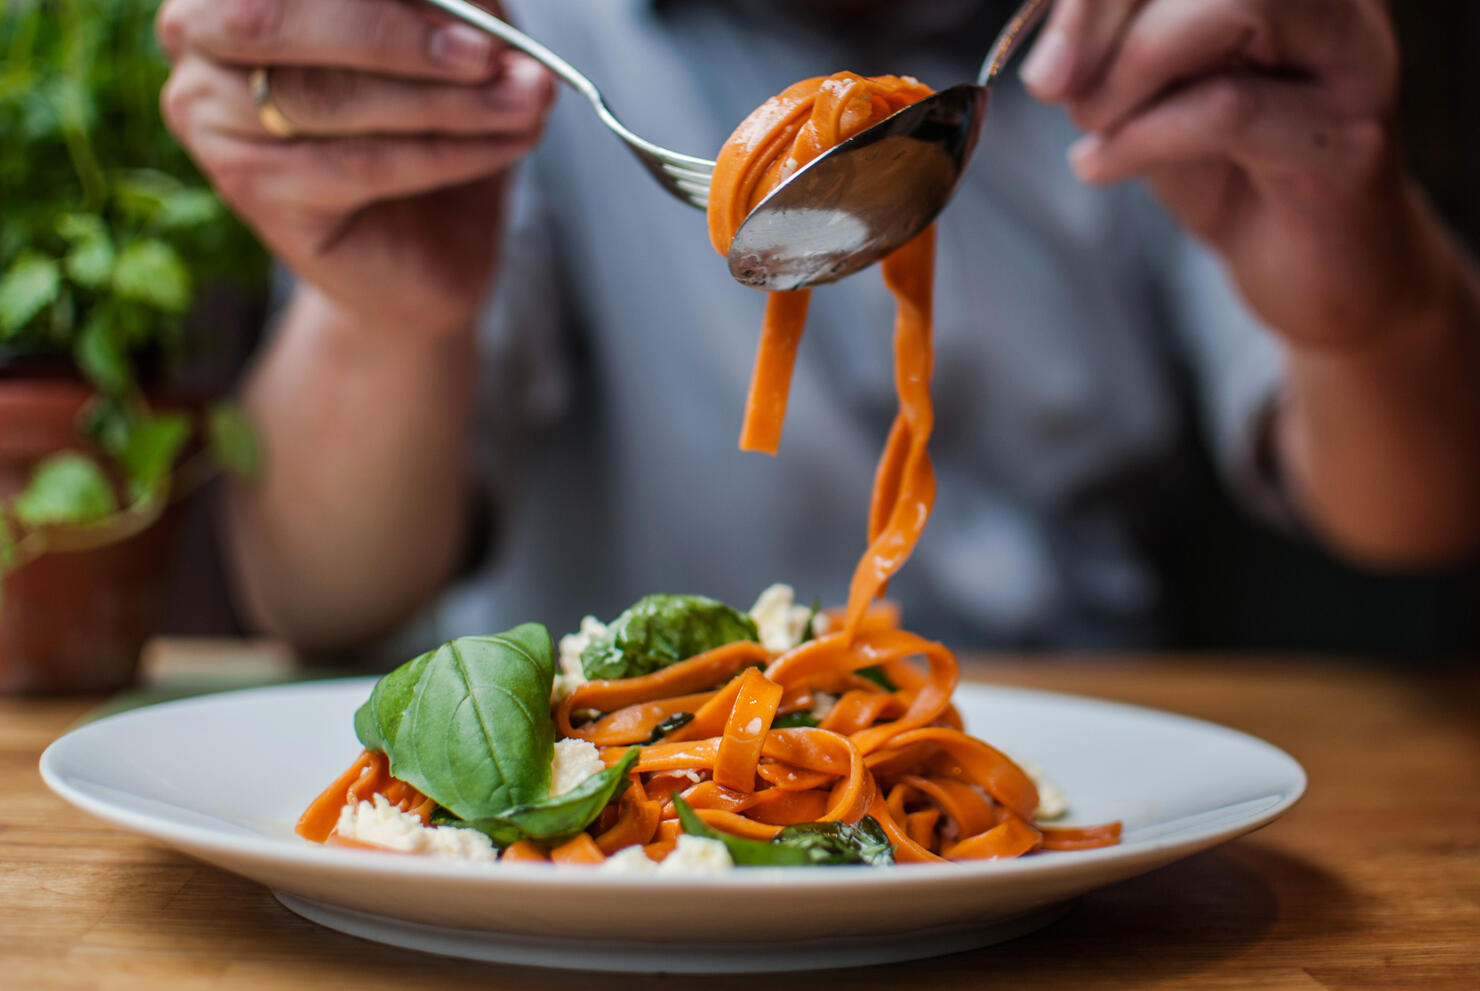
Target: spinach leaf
559,817
808,844
793,720
468,724
877,676
659,630
676,721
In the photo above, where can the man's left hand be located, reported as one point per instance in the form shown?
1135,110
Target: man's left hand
1267,128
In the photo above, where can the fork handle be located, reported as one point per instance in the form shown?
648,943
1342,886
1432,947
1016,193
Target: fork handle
479,18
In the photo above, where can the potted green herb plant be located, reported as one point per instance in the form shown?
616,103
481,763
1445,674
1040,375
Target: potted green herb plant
108,240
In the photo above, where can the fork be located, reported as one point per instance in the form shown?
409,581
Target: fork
684,176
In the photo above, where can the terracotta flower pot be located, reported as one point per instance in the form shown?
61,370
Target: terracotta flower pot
72,622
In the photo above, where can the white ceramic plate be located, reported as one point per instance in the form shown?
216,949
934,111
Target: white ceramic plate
224,777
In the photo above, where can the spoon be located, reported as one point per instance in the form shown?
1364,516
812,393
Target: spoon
866,197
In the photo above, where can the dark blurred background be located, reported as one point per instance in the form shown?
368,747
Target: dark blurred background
1234,583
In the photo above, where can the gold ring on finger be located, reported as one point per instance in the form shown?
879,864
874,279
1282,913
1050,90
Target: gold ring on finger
272,118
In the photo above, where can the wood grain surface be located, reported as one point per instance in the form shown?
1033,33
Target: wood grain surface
1373,881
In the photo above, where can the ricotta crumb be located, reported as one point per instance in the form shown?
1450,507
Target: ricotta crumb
628,860
572,675
781,622
692,855
575,761
1052,804
381,823
696,855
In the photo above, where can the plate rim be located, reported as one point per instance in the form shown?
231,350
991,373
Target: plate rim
258,847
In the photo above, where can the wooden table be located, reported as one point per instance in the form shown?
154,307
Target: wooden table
1373,881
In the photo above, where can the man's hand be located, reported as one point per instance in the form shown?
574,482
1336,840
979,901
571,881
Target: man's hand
1266,127
386,196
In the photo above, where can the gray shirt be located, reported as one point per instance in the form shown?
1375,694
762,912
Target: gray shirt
1085,347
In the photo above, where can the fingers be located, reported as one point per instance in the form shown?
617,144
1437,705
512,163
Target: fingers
1076,43
208,108
1275,129
381,36
339,102
1170,42
341,175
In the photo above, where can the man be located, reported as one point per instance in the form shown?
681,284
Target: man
1329,333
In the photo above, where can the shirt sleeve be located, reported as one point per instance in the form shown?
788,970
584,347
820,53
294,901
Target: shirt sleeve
1237,368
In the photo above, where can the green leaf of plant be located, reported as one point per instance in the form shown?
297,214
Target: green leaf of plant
65,488
7,546
808,844
101,356
187,208
152,272
559,817
793,720
234,441
28,287
468,724
89,262
150,450
660,630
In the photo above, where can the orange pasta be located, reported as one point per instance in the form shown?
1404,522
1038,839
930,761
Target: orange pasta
887,742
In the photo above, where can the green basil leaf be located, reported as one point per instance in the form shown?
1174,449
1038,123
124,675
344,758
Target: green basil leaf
744,852
234,441
809,631
377,721
877,676
861,842
65,488
676,721
809,844
152,272
29,286
660,630
468,724
556,818
794,720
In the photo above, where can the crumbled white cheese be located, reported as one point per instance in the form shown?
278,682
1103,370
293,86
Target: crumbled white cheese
696,855
628,860
1051,801
572,675
381,823
781,622
575,761
822,704
691,855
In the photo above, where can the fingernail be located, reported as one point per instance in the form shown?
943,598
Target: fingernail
523,84
1049,65
462,48
1084,155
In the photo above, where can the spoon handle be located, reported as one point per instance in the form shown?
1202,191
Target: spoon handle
1011,39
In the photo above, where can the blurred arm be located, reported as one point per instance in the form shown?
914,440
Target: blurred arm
361,515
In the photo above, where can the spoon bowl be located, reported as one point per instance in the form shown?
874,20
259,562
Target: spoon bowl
868,196
864,198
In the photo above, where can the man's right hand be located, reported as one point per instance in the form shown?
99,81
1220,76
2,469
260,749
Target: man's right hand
387,196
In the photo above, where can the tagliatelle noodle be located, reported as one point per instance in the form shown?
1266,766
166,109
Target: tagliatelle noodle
895,752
